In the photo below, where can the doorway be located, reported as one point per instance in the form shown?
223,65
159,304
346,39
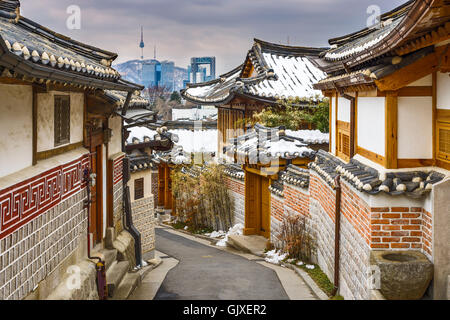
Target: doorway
257,205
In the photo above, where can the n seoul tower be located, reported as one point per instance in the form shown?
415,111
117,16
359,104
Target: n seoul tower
142,45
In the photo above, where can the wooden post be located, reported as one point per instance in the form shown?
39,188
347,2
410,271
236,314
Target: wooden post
330,122
35,116
434,114
391,125
336,136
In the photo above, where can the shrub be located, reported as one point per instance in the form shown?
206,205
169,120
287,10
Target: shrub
295,239
203,201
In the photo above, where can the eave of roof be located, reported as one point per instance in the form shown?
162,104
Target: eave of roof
251,87
37,64
410,14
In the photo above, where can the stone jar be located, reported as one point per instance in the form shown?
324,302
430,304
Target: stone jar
404,275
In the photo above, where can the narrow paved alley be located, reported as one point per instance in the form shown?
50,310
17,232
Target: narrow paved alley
205,272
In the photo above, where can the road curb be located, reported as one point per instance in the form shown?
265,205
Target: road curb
212,240
308,280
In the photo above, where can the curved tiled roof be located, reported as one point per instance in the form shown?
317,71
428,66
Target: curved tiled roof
54,56
263,144
281,72
414,184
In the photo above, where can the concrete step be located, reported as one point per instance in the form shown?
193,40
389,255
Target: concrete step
109,256
250,244
130,282
115,274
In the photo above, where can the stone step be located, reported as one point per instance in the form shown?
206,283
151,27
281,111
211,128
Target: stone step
115,274
109,256
250,244
130,282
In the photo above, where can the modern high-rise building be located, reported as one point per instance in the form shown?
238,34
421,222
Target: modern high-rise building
167,75
151,73
202,69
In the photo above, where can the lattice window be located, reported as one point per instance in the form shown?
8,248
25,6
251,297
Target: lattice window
443,140
62,120
138,189
343,140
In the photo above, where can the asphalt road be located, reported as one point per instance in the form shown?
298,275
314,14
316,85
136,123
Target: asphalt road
206,273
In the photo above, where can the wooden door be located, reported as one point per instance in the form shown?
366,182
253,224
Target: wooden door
96,211
252,203
265,207
161,185
93,209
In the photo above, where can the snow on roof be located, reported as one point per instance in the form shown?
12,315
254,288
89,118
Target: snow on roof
193,114
282,72
364,43
295,78
190,141
310,136
267,144
197,141
139,134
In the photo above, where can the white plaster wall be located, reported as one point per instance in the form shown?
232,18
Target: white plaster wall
443,90
45,123
333,126
343,109
371,128
115,145
415,128
16,128
147,175
425,81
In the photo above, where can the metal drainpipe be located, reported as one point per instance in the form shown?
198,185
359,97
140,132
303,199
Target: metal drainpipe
337,234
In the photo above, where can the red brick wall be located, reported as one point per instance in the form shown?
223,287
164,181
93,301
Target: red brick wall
356,211
296,199
323,193
401,228
277,208
235,185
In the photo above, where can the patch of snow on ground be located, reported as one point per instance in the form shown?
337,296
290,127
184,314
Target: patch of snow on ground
275,257
236,230
217,234
310,266
300,263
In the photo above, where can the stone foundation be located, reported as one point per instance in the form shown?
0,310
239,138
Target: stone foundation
144,220
237,190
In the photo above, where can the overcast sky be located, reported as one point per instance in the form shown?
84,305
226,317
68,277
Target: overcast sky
181,29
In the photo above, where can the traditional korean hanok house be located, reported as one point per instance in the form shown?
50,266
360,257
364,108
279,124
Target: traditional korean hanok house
390,137
60,157
262,154
158,146
269,73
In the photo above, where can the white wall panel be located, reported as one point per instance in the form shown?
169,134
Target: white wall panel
371,127
415,128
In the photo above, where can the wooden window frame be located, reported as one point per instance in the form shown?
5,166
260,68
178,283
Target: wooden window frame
139,189
440,155
59,139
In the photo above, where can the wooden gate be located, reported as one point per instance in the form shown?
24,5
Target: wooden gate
257,205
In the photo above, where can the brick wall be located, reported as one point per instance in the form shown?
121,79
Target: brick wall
144,220
402,228
237,190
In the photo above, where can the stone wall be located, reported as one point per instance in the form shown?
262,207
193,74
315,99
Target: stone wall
144,220
154,174
237,190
